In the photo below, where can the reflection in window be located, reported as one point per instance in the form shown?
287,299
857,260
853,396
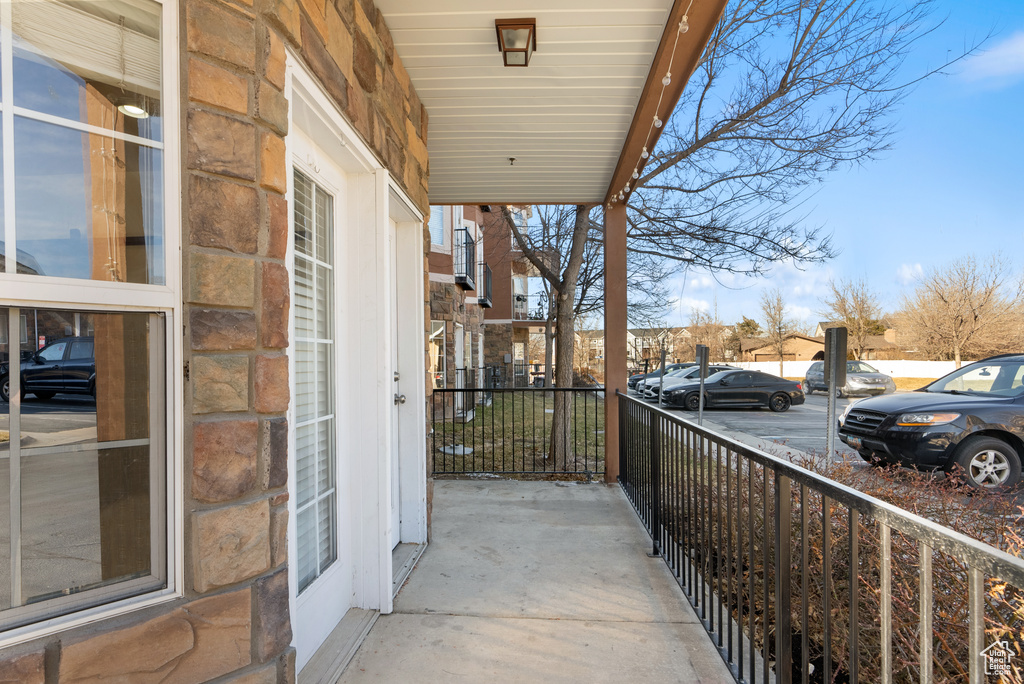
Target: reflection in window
437,354
88,205
90,453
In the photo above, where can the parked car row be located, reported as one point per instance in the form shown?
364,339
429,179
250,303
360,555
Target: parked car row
724,386
861,378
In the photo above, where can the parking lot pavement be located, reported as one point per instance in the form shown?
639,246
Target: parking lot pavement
801,427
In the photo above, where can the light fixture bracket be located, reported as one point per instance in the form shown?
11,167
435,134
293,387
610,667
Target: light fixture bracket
517,40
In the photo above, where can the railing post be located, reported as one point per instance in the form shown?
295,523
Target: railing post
655,484
623,476
783,564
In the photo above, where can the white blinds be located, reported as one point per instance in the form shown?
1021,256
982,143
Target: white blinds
437,226
93,46
316,522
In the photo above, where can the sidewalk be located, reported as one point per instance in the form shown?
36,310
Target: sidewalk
536,582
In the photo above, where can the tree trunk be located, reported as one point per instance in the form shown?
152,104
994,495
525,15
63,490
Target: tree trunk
549,338
562,437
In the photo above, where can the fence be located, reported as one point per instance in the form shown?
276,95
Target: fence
518,431
795,577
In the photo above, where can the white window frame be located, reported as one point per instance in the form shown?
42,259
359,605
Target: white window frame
35,291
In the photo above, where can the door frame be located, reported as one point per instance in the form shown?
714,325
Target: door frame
364,287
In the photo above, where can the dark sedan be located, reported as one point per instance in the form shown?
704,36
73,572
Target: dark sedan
739,388
632,381
972,418
68,365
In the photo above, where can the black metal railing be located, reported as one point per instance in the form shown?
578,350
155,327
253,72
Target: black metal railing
464,259
794,575
557,431
484,294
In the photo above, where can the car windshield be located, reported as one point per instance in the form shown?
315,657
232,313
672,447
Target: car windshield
996,378
859,367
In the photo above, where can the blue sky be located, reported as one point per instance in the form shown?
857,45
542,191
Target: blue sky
952,184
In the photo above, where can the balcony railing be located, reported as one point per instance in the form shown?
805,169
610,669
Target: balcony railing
798,578
529,307
552,432
464,256
484,294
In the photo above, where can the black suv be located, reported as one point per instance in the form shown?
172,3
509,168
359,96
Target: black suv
973,417
67,365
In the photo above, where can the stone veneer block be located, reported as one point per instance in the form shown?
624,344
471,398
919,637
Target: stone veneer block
222,145
26,669
273,69
214,30
272,107
272,631
275,303
231,544
218,87
277,227
277,452
278,536
224,214
265,675
273,164
339,42
224,459
271,384
323,66
220,384
222,330
222,280
196,642
364,62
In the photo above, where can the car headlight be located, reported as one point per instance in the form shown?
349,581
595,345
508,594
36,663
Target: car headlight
919,419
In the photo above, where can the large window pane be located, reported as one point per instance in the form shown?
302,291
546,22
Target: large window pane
87,206
88,442
95,62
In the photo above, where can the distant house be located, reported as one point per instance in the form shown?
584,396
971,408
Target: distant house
795,348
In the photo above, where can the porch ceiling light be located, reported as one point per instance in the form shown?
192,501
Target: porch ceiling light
517,40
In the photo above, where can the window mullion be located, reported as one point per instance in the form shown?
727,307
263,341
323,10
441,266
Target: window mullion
14,451
7,119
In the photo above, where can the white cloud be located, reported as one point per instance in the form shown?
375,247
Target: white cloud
802,313
683,306
907,274
1003,62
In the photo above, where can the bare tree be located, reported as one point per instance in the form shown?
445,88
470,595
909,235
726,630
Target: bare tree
853,305
786,92
777,326
964,309
706,328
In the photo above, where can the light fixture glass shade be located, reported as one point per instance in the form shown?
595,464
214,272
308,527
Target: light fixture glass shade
517,40
133,105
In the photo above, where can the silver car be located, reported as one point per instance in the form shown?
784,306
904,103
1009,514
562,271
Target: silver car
861,378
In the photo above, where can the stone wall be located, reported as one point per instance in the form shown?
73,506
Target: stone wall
234,617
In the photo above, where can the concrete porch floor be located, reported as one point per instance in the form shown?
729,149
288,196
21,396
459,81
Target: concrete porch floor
536,582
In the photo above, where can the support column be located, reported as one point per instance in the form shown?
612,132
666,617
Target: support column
614,332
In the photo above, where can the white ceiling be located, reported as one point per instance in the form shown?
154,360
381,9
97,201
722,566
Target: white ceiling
564,118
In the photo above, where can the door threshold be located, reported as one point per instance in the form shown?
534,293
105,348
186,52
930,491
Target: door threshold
403,559
337,651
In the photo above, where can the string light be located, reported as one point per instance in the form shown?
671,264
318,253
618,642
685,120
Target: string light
656,123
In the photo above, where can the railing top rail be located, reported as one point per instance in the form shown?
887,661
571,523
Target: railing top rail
515,389
978,554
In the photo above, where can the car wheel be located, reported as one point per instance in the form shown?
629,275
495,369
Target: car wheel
839,393
692,402
989,463
780,402
5,389
45,395
808,389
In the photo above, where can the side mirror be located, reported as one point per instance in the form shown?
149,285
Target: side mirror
723,381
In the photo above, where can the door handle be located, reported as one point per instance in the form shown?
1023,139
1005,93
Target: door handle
399,399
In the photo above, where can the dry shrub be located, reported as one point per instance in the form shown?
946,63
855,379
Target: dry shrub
700,492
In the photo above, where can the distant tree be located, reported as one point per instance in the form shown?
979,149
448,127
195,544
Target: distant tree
776,324
964,309
743,330
851,304
706,328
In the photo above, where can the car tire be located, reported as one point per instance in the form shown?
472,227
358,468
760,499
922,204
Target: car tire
5,389
808,389
779,402
45,395
692,402
839,393
988,463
